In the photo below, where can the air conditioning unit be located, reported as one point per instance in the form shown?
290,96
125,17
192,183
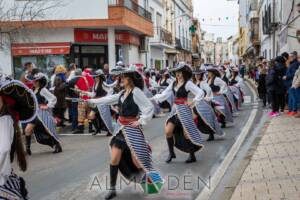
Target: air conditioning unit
144,44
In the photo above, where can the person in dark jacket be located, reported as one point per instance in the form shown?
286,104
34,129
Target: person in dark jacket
293,67
271,84
280,71
61,104
261,88
73,106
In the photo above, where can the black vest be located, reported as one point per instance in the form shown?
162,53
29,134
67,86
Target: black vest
40,98
181,92
164,83
128,108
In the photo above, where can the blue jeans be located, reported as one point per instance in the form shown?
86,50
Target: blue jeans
74,114
298,98
292,102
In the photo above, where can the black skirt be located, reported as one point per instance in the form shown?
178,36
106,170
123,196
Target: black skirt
181,142
126,165
201,125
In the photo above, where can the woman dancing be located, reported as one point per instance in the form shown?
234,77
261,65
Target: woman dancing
207,121
17,104
218,88
130,152
43,126
180,126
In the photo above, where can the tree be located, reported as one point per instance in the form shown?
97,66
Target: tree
17,16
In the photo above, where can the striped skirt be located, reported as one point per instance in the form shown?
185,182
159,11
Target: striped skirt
133,143
207,119
13,189
105,114
230,98
186,134
237,94
223,107
45,129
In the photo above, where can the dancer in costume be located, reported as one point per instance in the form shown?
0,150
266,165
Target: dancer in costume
164,82
130,152
219,87
206,120
43,126
101,116
17,104
236,84
180,126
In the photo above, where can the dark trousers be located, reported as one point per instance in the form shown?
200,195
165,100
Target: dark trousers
277,101
73,111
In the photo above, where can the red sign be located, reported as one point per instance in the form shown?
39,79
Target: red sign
40,49
98,36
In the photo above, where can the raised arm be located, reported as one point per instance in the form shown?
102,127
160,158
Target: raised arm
144,104
164,95
197,92
107,100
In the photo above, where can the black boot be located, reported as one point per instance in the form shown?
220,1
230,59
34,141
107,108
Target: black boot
113,181
91,130
28,144
172,155
223,125
94,121
79,130
57,148
192,158
211,137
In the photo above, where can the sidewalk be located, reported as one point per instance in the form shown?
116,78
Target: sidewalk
274,170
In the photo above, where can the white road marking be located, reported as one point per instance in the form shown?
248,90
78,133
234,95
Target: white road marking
216,178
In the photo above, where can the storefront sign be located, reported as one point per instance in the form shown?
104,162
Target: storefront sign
40,49
98,36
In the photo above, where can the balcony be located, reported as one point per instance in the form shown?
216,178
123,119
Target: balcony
162,38
133,6
127,13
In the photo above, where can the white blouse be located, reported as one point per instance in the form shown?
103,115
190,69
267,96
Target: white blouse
144,104
49,97
222,84
204,86
189,86
6,139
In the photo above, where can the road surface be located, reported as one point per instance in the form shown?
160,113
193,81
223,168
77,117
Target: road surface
80,172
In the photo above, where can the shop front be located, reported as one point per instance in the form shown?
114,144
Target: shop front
91,46
44,55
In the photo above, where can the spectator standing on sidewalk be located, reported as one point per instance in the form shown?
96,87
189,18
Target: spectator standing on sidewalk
293,67
280,71
296,86
61,104
271,84
261,88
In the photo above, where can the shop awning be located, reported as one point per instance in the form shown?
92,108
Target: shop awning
41,49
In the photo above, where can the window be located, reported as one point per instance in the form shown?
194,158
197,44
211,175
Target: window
152,13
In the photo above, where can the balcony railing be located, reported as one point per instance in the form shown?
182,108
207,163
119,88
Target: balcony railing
131,5
163,36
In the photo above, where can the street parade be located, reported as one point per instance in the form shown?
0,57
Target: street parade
149,99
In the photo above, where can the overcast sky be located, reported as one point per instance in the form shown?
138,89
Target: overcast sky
211,11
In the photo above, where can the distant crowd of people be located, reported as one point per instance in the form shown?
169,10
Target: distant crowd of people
278,83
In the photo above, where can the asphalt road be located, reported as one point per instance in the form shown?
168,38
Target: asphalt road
80,172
